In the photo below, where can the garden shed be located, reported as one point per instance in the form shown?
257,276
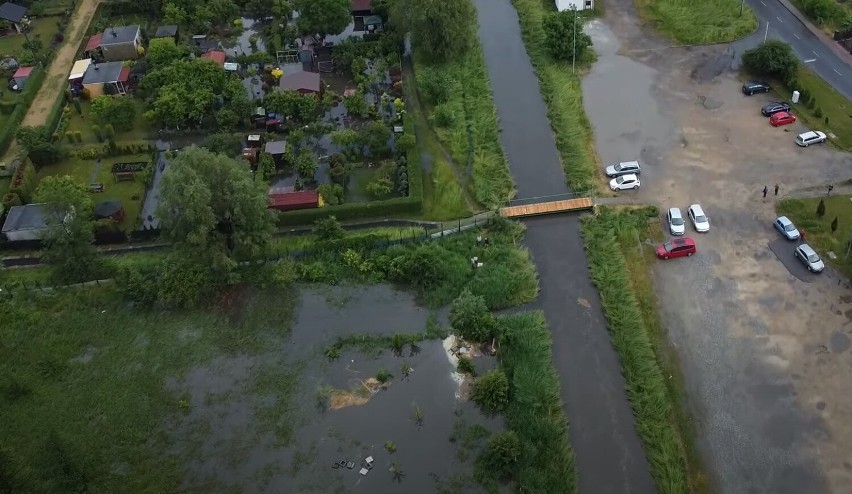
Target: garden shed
301,81
92,45
25,223
112,209
291,201
106,78
120,43
15,14
216,56
276,150
20,76
78,71
169,31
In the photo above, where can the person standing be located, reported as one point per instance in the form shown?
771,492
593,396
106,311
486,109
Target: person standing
765,190
776,189
830,188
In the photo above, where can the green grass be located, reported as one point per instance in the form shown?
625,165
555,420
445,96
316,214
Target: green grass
619,270
563,96
690,22
833,19
43,29
535,408
818,230
130,193
836,110
141,128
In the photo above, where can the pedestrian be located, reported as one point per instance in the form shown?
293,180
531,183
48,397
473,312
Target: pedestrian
776,189
830,188
765,190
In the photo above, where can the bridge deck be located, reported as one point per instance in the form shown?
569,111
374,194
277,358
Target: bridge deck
551,207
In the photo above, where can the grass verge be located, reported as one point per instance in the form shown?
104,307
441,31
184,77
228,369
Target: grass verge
620,272
535,410
818,230
829,110
689,22
563,96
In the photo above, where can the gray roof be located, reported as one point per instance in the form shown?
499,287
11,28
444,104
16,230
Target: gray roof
28,217
107,208
276,147
12,13
166,31
99,73
300,80
119,35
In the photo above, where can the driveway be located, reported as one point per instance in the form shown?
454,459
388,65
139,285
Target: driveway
764,350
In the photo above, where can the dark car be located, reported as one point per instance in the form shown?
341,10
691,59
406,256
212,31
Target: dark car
774,107
678,247
752,87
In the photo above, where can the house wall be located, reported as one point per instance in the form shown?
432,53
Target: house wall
578,4
95,90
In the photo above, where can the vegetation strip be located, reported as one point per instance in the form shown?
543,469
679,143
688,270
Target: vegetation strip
563,95
654,406
705,22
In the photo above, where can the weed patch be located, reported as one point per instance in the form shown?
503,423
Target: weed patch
709,21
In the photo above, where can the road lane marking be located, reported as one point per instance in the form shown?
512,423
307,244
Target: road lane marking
796,35
810,60
815,53
764,3
779,20
838,72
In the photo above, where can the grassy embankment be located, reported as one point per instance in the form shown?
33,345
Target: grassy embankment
563,95
688,22
818,230
620,270
824,109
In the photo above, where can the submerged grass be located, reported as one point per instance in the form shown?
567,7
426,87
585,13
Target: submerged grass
535,409
619,270
690,22
564,98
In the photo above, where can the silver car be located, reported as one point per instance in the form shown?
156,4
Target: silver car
676,224
623,168
786,228
809,258
699,220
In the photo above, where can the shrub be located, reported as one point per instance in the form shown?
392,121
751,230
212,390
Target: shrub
405,143
383,376
443,116
470,317
435,85
773,58
560,29
328,229
818,112
491,392
379,187
11,199
820,210
466,366
500,456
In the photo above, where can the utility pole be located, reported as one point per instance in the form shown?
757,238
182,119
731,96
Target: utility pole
741,7
574,49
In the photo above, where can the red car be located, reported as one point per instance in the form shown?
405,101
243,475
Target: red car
676,247
781,118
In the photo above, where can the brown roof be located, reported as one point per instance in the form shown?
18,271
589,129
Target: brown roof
361,5
295,81
216,56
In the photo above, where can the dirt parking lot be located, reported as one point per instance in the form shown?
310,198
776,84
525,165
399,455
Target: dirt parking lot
765,349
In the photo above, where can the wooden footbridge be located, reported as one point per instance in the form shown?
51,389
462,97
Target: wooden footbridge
537,206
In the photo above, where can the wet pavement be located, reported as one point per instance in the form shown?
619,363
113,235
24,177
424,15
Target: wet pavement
609,456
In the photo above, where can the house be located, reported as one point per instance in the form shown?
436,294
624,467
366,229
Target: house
203,45
20,77
276,150
120,43
75,78
217,56
167,32
25,223
106,78
293,200
15,14
300,81
111,209
574,4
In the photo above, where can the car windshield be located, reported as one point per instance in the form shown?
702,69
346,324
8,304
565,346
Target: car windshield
789,227
677,221
700,219
618,167
668,246
620,180
813,258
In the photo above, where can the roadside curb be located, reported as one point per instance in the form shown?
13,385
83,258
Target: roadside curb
843,54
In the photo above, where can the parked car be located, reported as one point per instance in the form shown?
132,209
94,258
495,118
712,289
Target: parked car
781,118
775,107
676,247
676,223
752,87
786,228
808,138
699,220
623,168
809,258
624,182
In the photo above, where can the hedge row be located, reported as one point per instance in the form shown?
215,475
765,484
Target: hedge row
7,134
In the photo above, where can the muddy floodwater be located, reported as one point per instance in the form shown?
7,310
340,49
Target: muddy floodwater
289,420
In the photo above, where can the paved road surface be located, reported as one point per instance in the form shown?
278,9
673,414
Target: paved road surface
609,455
810,48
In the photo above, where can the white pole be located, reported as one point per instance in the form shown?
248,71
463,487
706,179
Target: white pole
766,34
574,49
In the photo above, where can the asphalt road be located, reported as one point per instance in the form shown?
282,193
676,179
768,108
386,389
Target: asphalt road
810,49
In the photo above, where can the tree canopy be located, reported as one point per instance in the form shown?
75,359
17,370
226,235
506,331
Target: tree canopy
118,111
37,143
70,227
211,207
163,51
292,104
441,29
774,59
560,28
323,17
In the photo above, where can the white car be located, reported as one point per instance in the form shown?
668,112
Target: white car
676,223
813,137
699,220
624,182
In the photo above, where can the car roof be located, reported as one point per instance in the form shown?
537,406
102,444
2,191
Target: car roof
675,212
696,208
809,134
755,83
682,241
784,220
807,249
629,176
781,114
629,163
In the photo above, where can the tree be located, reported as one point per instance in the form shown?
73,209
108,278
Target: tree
212,209
328,229
820,212
37,143
774,59
376,136
118,111
405,143
332,194
834,225
174,14
501,454
322,17
440,29
224,143
491,392
184,91
379,187
306,164
163,51
560,29
70,228
470,317
300,107
266,166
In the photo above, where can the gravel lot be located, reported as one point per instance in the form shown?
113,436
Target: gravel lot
763,346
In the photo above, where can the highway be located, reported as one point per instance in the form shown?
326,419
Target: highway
812,52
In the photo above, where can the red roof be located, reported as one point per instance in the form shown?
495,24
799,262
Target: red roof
216,56
94,42
124,75
361,5
22,72
294,200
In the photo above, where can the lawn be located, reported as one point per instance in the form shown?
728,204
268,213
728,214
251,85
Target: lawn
141,129
563,96
828,14
831,111
818,230
43,29
620,269
85,172
689,22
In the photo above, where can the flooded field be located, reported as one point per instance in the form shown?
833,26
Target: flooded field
292,420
